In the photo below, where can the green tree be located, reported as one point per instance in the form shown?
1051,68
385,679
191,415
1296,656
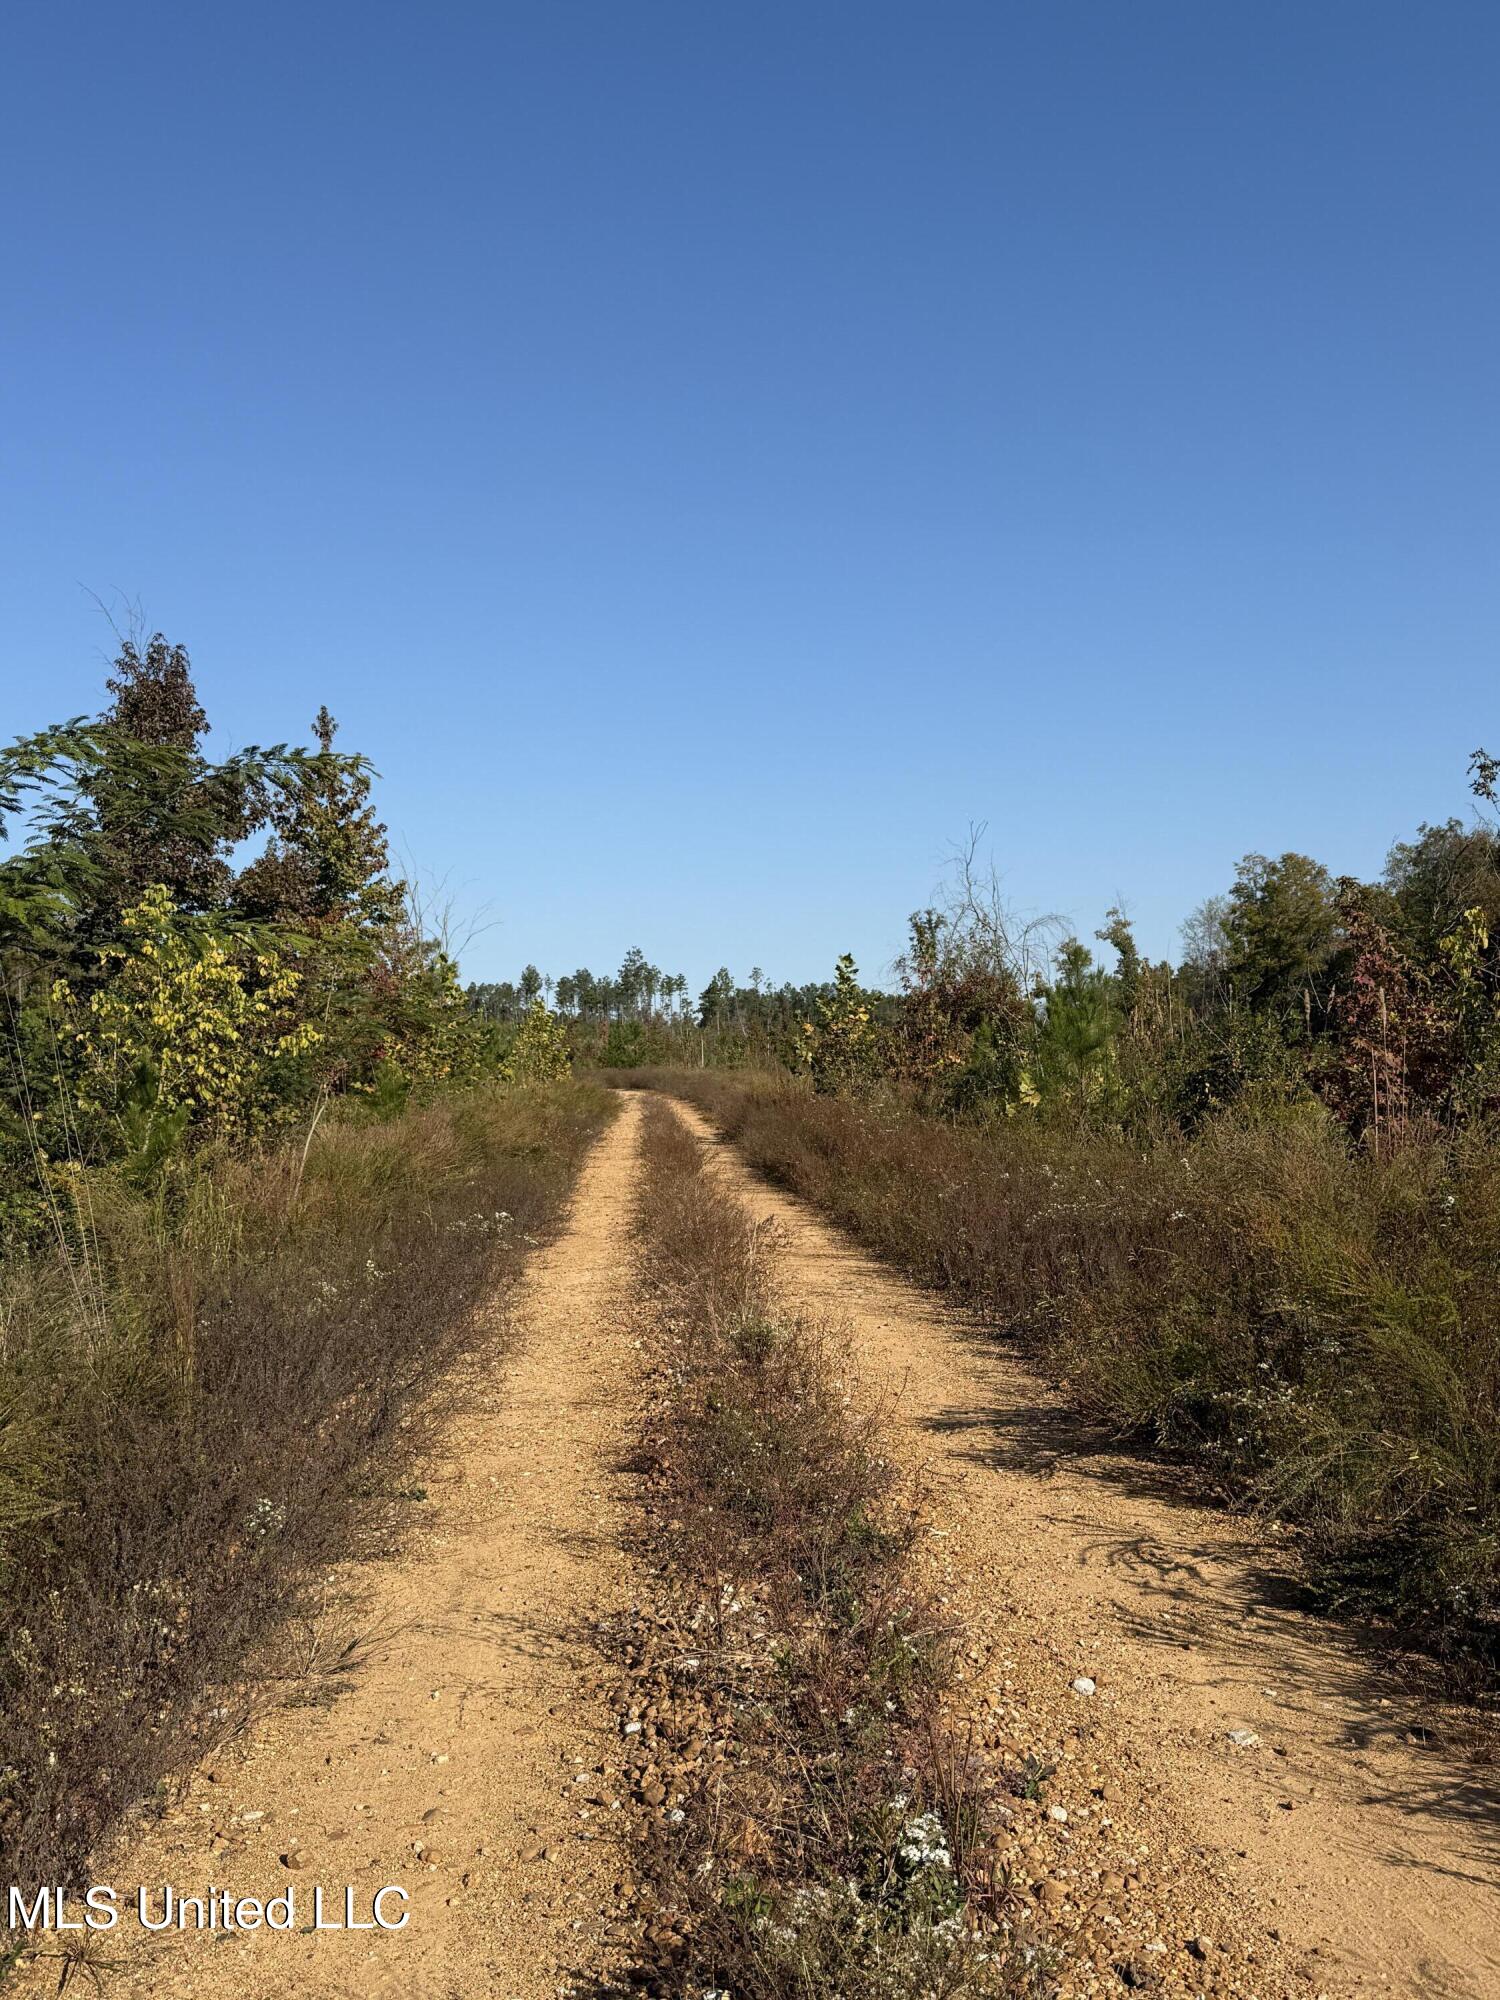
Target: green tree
630,980
1281,928
716,1001
123,803
494,1001
540,1051
1074,1058
172,821
1131,969
327,860
1434,879
187,1030
841,1047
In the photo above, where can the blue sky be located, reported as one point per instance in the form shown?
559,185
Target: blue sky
709,456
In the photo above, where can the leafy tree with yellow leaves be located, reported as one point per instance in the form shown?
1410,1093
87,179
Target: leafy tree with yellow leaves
540,1052
190,1027
841,1047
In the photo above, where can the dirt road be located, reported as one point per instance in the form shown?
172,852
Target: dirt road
1346,1825
1240,1803
445,1762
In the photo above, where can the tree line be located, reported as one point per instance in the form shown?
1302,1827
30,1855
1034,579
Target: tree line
643,1015
1378,1000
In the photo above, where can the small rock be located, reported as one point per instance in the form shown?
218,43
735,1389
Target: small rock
1244,1739
1083,1685
1200,1946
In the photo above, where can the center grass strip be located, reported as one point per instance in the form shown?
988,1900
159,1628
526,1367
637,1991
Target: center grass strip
809,1826
212,1399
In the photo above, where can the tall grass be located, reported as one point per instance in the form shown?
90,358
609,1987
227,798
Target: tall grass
1318,1328
202,1397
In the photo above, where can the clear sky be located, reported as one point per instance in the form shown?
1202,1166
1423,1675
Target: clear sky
709,455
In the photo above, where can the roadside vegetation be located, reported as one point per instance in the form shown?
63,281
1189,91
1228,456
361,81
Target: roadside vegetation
809,1825
213,1404
261,1169
1314,1327
1246,1206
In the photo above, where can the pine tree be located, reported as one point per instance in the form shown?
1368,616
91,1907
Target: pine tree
327,861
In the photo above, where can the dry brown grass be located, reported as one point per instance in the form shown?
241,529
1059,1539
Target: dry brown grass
1317,1329
207,1402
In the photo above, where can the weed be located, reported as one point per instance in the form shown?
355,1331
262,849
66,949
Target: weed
827,1843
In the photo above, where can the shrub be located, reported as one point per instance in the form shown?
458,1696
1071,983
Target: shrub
540,1052
183,1026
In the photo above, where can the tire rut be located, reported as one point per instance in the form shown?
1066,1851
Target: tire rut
1344,1837
445,1764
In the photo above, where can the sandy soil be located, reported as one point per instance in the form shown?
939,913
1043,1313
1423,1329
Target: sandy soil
445,1763
1350,1845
